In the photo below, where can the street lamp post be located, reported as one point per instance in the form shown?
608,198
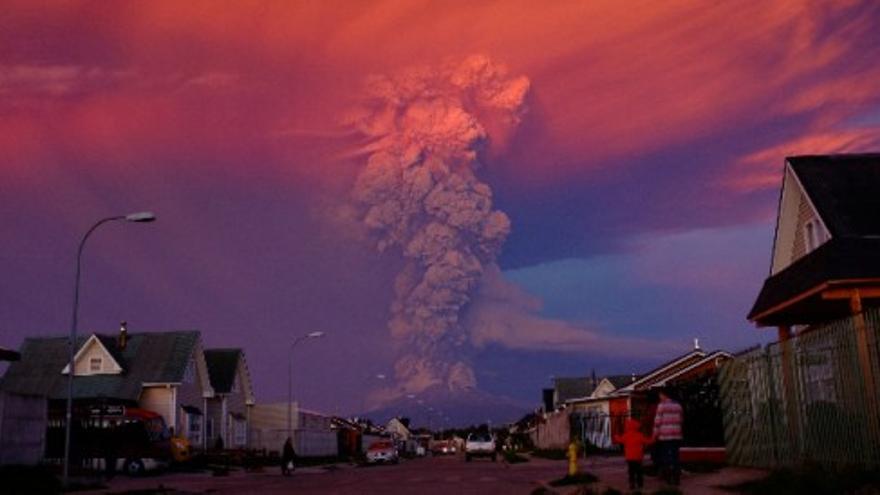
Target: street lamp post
313,335
140,217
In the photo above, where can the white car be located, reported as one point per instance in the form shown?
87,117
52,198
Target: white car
480,445
381,452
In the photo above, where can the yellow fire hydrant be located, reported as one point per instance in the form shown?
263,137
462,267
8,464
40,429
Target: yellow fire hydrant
572,458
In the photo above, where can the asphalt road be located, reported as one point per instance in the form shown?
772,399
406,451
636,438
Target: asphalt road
433,475
438,475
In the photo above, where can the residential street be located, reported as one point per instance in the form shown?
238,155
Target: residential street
437,475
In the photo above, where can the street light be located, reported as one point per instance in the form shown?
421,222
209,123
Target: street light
313,335
140,217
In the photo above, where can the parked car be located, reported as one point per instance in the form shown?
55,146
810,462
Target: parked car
480,445
443,447
382,451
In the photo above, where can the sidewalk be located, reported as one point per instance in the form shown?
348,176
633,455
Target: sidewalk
611,471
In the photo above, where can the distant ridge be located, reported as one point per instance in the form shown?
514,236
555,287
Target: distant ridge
462,407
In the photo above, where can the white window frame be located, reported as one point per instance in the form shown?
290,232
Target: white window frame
194,428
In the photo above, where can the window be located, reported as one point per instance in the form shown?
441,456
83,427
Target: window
194,428
814,234
95,364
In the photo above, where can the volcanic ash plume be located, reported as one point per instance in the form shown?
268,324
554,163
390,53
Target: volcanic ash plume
418,195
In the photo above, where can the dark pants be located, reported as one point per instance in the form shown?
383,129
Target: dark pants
634,469
670,468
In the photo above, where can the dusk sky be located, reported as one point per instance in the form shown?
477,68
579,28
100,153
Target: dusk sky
611,172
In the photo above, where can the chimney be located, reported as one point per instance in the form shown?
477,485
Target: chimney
123,335
696,344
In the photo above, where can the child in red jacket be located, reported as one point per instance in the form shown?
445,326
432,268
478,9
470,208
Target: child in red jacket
634,442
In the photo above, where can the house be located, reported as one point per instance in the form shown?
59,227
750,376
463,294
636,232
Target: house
822,296
825,261
164,372
566,388
398,430
595,418
229,410
592,416
633,398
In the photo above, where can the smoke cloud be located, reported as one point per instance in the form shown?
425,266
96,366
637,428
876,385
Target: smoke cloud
419,195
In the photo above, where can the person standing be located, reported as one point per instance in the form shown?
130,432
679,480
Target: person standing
634,442
287,455
667,433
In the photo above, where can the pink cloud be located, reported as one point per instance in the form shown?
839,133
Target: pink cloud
763,168
599,91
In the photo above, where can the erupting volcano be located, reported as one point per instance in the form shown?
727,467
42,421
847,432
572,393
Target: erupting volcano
419,195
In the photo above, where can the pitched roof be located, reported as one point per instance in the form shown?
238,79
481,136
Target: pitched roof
155,357
222,365
664,370
838,259
845,189
620,380
571,388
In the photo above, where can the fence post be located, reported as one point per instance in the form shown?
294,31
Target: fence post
861,328
789,393
769,382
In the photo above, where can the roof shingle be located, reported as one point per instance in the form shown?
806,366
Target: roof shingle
154,357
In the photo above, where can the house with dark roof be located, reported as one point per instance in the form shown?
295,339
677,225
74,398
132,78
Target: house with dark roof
566,388
825,262
597,406
164,372
602,414
822,294
229,410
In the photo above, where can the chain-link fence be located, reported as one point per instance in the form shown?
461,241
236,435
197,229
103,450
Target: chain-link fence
812,398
